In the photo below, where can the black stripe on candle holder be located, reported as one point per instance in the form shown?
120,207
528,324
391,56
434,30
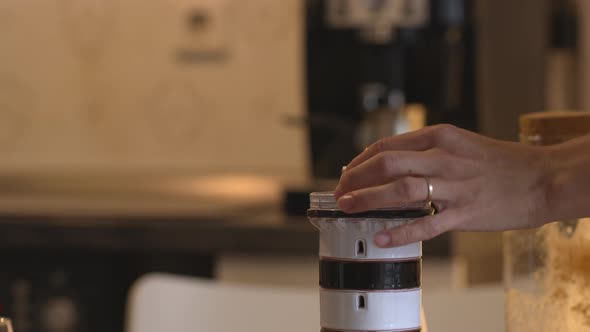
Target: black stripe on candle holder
374,275
376,214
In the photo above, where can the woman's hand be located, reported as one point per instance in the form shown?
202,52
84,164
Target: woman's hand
479,184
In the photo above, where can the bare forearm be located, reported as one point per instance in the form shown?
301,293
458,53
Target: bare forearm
568,195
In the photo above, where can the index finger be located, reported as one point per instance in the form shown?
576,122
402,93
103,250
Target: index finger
419,140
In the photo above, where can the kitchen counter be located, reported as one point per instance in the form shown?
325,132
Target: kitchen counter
248,233
143,212
203,234
148,212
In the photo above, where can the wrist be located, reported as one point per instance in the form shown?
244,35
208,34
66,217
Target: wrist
545,187
554,180
565,185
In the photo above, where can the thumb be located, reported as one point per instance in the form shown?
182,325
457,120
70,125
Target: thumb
422,229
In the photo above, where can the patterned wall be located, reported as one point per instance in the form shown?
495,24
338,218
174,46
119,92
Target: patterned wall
174,84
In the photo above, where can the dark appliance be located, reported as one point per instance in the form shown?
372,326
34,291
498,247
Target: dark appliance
365,54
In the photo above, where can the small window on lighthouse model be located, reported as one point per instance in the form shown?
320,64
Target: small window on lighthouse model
361,302
360,248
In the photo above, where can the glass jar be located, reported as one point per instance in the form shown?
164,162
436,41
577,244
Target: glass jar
364,287
547,269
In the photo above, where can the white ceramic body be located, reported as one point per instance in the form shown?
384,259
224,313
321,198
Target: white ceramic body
339,238
383,311
351,239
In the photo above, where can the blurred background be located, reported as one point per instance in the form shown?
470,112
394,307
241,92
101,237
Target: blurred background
183,136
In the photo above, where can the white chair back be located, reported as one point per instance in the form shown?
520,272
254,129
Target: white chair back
167,303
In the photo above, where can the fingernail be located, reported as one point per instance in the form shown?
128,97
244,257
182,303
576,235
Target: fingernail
382,239
346,202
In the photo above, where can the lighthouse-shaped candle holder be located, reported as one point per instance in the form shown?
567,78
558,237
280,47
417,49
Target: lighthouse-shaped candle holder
363,287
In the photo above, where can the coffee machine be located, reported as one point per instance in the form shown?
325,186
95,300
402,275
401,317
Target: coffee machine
370,57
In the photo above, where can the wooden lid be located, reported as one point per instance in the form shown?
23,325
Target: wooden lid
564,124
